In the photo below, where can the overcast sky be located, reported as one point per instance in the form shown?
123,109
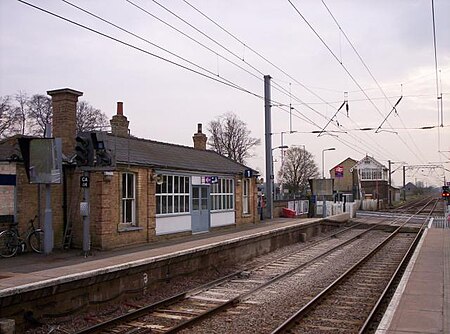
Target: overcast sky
164,102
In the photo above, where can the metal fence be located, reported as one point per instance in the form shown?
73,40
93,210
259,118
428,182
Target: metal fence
299,206
440,222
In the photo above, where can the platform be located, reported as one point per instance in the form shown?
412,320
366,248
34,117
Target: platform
421,303
27,271
64,280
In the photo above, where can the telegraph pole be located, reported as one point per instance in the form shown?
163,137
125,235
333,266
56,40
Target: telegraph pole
268,142
404,183
390,185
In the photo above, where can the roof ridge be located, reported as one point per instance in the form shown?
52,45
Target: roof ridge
156,141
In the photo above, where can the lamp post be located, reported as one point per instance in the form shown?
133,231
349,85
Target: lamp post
272,181
323,156
324,208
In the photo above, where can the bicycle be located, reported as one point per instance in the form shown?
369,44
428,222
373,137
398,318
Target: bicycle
11,242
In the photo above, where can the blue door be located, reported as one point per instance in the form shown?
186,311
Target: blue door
200,209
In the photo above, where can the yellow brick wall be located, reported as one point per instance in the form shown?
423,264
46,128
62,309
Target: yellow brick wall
30,204
105,207
252,217
7,192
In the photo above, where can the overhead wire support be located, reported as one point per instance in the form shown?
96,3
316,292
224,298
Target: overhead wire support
393,109
435,56
331,119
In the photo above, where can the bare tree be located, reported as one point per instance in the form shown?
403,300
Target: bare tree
39,113
29,115
89,118
22,109
297,169
9,118
231,138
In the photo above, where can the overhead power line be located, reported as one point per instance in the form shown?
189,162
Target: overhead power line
147,41
235,86
258,76
374,79
349,74
274,65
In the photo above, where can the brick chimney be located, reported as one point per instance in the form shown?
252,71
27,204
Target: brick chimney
199,138
119,123
64,125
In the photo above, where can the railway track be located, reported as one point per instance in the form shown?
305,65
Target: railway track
352,302
184,310
232,294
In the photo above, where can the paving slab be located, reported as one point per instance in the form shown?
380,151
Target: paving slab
423,304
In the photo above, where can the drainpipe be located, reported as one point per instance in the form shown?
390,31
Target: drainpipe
64,206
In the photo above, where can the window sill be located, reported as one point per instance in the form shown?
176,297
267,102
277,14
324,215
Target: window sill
129,228
222,211
177,214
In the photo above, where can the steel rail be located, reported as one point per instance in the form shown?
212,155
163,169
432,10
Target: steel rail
300,314
237,299
185,295
378,305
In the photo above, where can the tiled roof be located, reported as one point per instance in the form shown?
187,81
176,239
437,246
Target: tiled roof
342,162
136,151
170,156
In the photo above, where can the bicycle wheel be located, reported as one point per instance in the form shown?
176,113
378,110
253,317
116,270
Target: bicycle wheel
9,243
36,241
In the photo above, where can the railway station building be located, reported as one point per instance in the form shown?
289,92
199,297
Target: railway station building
151,191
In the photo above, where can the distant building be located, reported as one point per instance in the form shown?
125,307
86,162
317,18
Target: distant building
345,180
373,179
395,194
410,188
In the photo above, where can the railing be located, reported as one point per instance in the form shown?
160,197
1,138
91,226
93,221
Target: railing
440,222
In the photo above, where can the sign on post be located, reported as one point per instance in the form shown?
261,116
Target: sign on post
84,181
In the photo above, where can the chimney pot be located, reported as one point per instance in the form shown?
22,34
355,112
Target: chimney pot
199,128
119,122
119,108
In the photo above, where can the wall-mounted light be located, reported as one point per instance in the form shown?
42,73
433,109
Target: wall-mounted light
107,176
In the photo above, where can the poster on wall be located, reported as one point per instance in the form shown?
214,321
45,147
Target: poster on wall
339,171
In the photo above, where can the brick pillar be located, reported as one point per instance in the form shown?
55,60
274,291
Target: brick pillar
119,122
199,138
64,125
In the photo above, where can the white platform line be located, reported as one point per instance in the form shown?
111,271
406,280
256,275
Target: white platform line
385,323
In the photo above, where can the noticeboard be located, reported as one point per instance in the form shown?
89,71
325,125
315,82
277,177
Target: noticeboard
45,160
322,187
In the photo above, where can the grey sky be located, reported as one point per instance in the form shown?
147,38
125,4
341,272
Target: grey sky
163,102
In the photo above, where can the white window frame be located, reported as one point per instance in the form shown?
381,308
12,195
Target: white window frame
246,197
372,174
126,198
222,195
174,188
